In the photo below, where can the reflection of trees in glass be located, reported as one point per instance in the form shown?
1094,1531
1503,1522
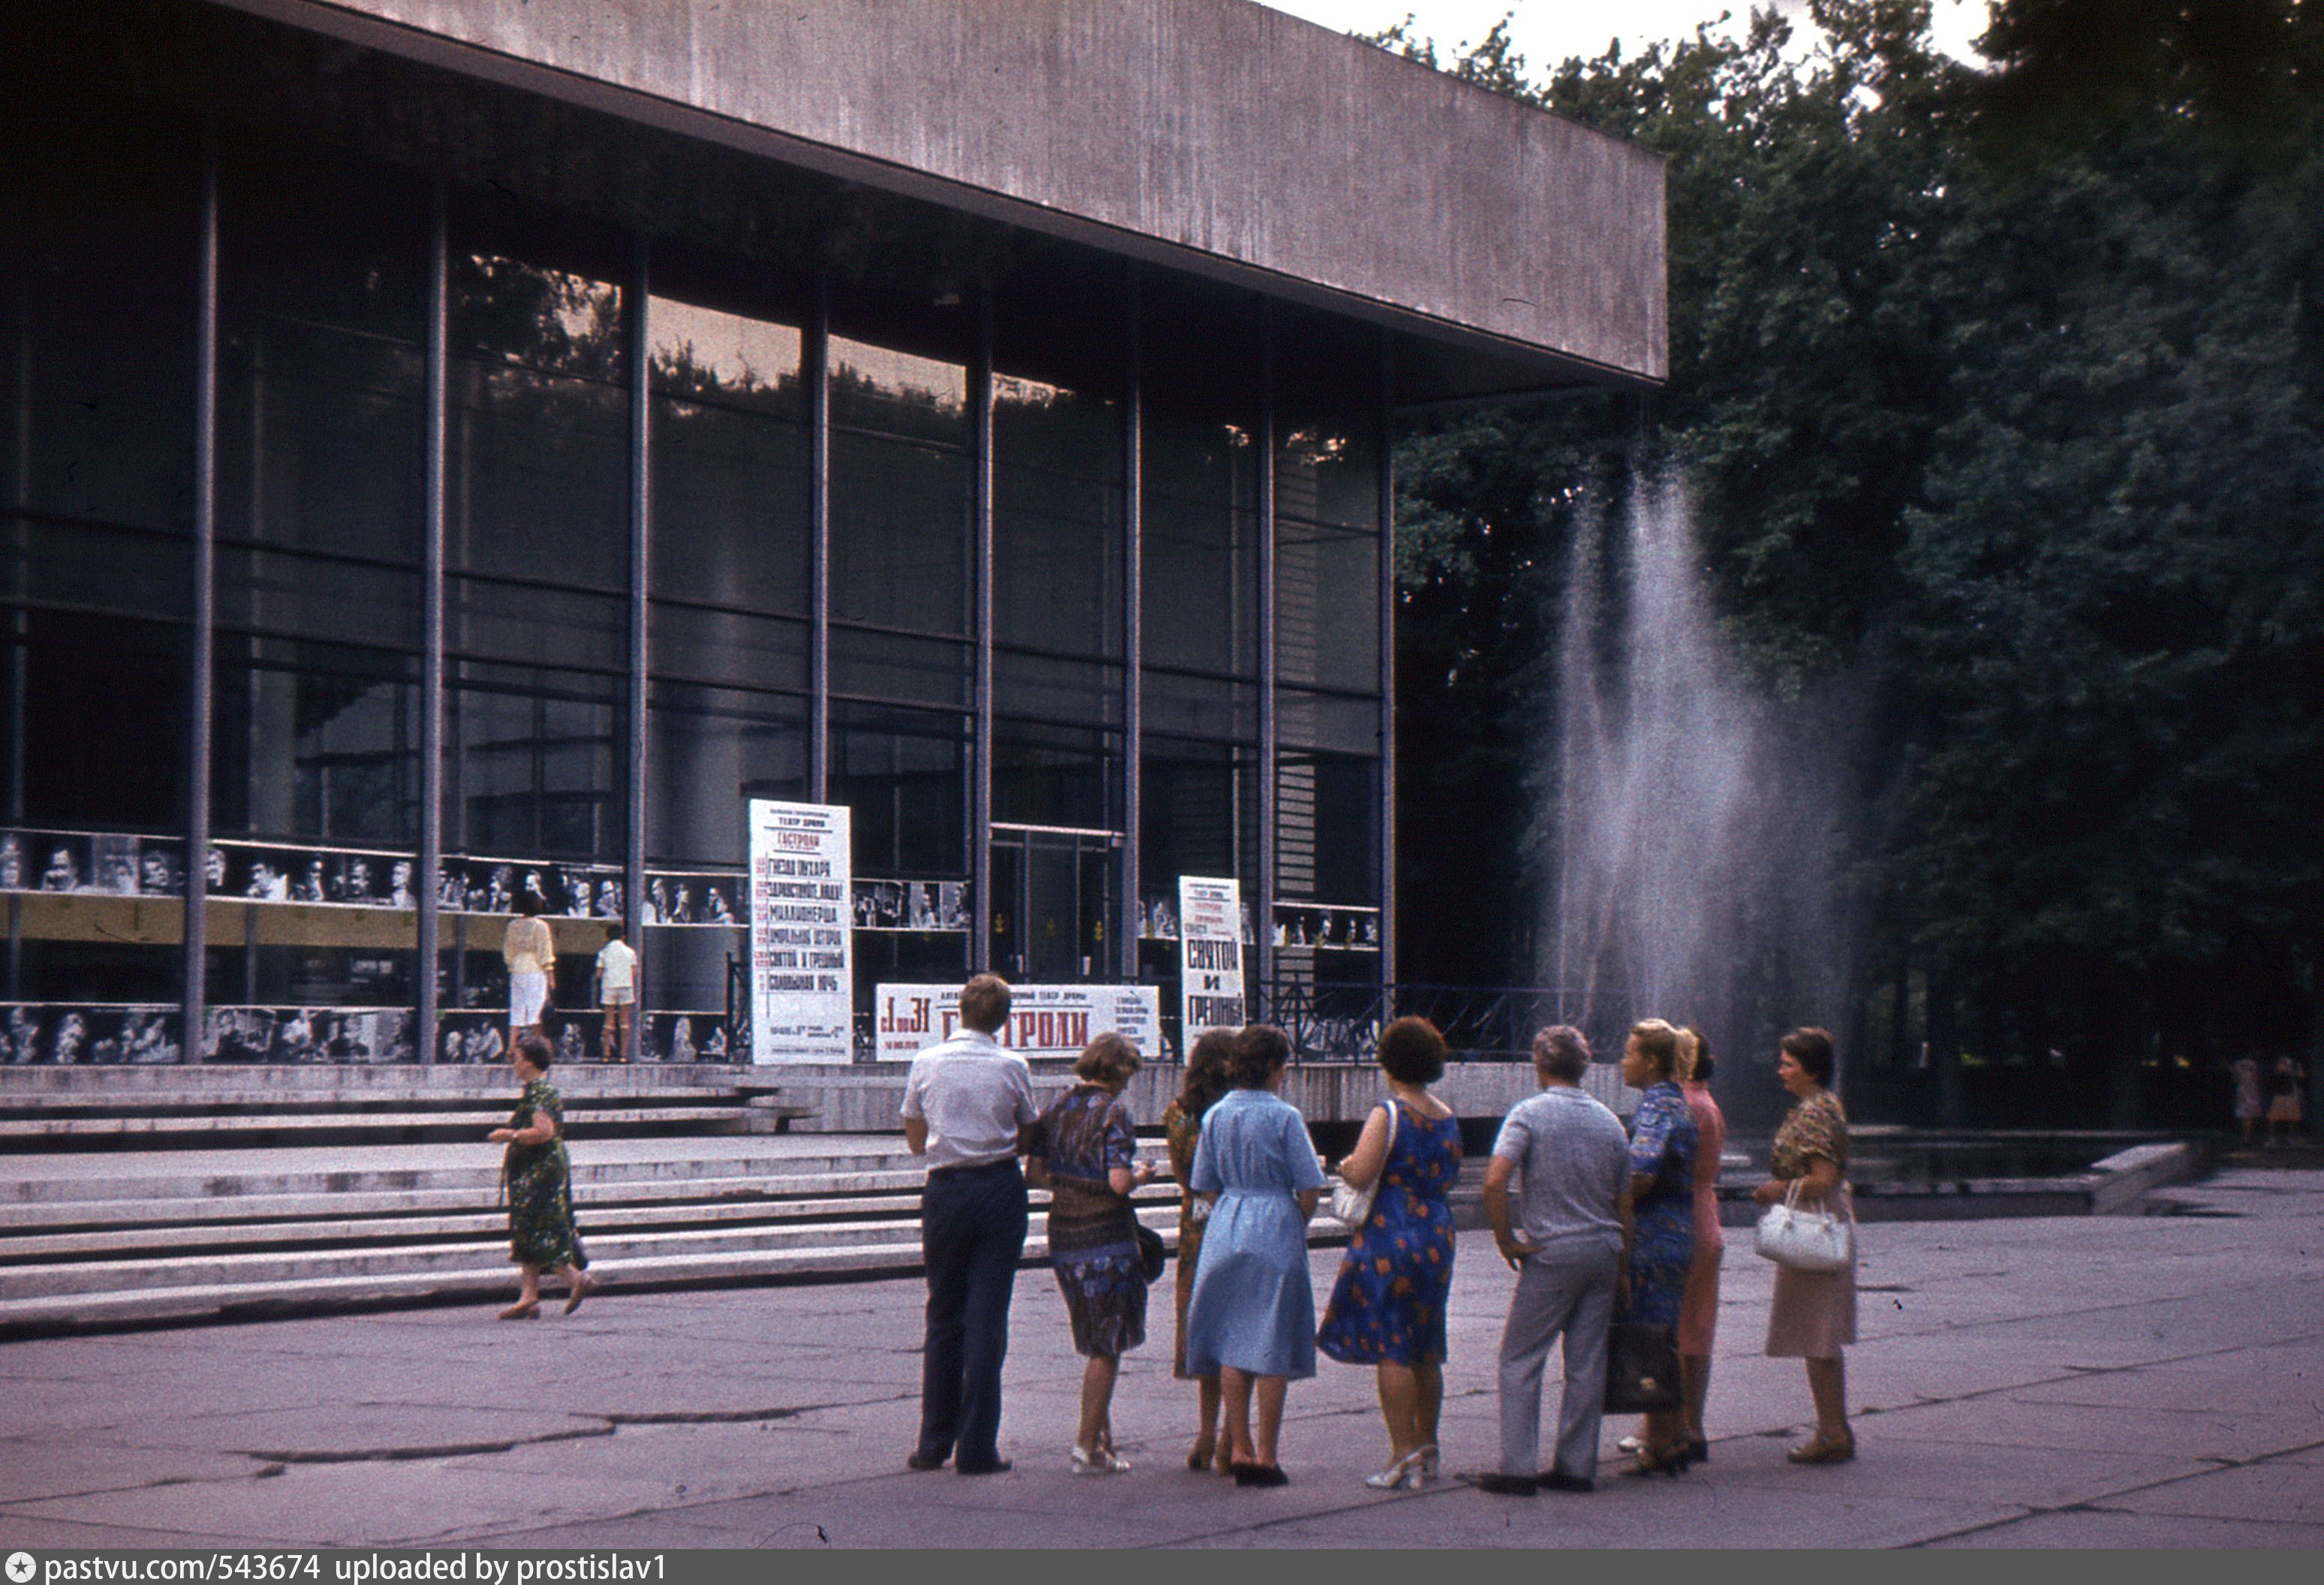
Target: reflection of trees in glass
1056,429
897,393
707,356
540,453
550,319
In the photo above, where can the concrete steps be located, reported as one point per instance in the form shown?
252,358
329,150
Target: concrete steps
208,1128
83,1248
49,1111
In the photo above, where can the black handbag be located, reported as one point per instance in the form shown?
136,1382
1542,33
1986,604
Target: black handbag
580,1251
1641,1367
1152,1253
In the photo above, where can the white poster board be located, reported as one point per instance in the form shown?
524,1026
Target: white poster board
1210,956
802,959
1044,1020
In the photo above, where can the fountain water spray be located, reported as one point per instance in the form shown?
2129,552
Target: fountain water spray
1693,834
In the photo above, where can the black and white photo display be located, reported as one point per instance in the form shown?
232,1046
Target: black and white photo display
939,906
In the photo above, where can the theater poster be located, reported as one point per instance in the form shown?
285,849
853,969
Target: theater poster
802,968
1210,956
1044,1020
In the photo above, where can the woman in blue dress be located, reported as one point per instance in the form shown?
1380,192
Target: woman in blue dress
1663,1138
1252,1314
1387,1307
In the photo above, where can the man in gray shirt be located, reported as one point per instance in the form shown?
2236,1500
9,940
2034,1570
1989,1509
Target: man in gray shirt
966,1103
1571,1256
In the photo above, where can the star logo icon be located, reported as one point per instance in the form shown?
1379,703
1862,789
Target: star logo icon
20,1567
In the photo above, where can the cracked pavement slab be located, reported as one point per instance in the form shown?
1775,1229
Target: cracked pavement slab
2153,1380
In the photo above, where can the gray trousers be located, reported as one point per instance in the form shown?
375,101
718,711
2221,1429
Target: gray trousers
1571,1294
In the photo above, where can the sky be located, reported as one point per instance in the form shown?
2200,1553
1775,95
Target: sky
1546,32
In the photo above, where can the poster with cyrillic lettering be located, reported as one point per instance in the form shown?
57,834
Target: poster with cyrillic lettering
802,961
1210,956
1044,1020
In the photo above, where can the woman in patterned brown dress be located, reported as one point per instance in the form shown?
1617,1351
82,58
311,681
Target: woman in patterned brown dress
538,1178
1813,1315
1181,1124
1083,1151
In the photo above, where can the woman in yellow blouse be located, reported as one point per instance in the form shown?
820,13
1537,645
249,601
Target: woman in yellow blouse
1813,1315
530,954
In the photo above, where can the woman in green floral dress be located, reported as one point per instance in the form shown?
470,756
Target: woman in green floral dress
536,1175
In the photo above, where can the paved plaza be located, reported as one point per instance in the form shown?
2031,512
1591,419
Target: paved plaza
2123,1381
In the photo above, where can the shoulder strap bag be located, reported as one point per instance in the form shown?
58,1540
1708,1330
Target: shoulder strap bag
1351,1206
1805,1241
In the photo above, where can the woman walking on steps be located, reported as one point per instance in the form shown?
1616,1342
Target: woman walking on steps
538,1178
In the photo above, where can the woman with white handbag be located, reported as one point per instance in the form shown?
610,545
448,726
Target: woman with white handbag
1809,1232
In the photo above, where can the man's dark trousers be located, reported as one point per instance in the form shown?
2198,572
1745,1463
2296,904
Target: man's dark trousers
971,1235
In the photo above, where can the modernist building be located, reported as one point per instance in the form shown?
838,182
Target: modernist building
456,447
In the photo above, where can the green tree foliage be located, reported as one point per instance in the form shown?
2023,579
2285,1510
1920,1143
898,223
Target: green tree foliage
2000,393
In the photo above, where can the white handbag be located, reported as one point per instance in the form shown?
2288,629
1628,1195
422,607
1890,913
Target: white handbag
1805,1241
1351,1206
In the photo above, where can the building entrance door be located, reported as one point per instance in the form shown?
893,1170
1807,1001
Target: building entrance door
1054,891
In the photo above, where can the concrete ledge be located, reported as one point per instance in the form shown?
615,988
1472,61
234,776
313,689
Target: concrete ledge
2117,1186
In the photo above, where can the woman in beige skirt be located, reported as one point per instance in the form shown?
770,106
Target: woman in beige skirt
1813,1315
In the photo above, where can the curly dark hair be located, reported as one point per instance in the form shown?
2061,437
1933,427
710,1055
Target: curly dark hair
1209,1073
1411,1052
1260,1050
1811,1049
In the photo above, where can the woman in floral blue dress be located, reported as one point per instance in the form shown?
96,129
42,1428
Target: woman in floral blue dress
1387,1307
1662,1139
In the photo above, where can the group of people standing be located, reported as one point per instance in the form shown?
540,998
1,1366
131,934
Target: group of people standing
1609,1225
2271,1100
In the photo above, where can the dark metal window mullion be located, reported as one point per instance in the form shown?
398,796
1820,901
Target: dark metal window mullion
817,355
200,681
1387,671
1133,633
980,776
633,869
433,402
1263,920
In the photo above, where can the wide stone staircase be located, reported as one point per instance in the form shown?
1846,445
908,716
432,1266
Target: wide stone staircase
243,1235
138,1197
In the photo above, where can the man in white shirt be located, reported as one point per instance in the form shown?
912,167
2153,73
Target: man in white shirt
967,1105
617,992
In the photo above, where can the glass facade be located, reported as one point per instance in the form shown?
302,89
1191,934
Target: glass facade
645,520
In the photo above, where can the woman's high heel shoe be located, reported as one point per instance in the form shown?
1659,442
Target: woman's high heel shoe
1822,1450
527,1310
1429,1462
1205,1448
1662,1460
1101,1461
1403,1475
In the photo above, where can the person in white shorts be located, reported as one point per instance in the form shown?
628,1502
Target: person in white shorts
617,992
532,957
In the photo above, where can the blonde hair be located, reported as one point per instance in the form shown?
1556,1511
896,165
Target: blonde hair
1668,1047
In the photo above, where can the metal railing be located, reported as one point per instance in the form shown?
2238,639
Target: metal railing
1339,1023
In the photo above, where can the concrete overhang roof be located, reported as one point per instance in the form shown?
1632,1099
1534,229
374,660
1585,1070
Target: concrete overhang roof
1511,249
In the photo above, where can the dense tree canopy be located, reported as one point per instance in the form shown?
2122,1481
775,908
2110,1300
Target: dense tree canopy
1999,395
